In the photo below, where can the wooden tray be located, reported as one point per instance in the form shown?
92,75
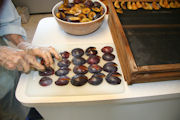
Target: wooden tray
134,71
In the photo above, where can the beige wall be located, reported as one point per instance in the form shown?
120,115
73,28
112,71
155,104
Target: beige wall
37,6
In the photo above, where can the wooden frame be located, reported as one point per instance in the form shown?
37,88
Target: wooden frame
132,72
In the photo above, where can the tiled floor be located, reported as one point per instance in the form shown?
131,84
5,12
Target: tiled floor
31,26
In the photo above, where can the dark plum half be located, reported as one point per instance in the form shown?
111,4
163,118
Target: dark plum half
107,49
88,3
65,54
108,57
62,71
97,4
96,79
64,63
80,69
91,51
94,68
79,80
78,61
93,59
45,81
113,78
110,67
62,80
77,52
47,72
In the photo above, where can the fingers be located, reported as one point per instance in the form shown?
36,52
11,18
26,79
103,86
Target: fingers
53,51
25,65
34,63
48,54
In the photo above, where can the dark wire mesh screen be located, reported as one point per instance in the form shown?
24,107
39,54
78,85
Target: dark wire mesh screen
153,36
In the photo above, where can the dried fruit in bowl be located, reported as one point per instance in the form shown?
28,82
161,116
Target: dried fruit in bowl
96,9
91,15
85,20
79,11
82,16
86,10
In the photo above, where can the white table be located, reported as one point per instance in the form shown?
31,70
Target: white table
145,101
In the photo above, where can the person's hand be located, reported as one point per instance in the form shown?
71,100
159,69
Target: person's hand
42,52
12,59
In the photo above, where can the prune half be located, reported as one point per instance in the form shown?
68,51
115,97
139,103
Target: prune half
110,67
88,3
91,51
77,52
107,49
108,57
94,68
93,59
62,80
79,80
113,78
70,5
62,71
64,63
78,61
65,54
97,4
78,1
45,81
96,79
47,72
80,69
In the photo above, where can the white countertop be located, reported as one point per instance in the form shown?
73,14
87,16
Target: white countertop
49,33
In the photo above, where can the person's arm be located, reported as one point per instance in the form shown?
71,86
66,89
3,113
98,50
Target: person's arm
11,29
14,38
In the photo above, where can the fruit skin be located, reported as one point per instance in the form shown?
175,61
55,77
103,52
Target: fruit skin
62,71
96,79
70,5
88,3
77,52
113,78
79,80
94,68
108,57
78,1
45,81
93,59
97,4
48,71
91,51
65,54
62,80
80,69
107,49
64,63
91,15
110,67
78,61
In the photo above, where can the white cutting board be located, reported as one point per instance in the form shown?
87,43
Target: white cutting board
34,89
49,33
